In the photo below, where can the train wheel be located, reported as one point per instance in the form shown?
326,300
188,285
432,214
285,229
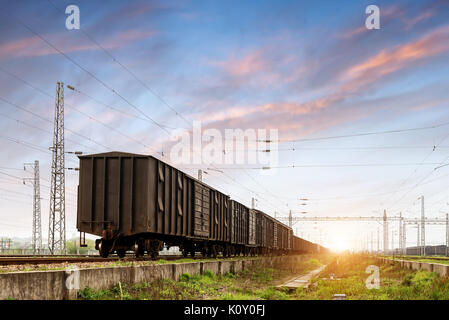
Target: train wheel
185,253
192,253
121,253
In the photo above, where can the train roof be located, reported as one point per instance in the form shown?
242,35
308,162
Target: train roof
118,154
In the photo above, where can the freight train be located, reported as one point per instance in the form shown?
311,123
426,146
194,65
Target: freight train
139,203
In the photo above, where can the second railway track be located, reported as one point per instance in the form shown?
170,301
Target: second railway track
33,260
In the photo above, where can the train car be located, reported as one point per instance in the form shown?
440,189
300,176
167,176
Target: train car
282,235
239,216
137,202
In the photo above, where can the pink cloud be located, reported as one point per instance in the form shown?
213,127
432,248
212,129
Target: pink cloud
354,80
425,15
248,65
352,32
388,61
34,46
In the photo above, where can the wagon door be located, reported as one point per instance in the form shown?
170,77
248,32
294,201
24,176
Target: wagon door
202,211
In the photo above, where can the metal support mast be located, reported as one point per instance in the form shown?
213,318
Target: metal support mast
56,228
423,228
36,236
447,234
385,225
404,235
401,234
378,241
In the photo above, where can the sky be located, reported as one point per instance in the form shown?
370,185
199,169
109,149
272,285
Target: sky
309,69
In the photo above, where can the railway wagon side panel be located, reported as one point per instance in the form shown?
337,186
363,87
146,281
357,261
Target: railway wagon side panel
239,218
112,191
260,225
281,231
252,227
275,235
201,216
290,239
171,207
269,232
134,194
287,238
219,216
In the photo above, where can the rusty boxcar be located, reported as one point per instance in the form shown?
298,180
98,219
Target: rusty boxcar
139,203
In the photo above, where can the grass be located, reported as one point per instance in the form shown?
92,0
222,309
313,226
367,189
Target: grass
396,283
433,259
344,274
257,283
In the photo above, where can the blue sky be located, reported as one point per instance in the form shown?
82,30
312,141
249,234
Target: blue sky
309,69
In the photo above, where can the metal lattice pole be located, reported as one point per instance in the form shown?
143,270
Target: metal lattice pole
404,234
56,228
37,225
385,233
423,228
447,234
36,233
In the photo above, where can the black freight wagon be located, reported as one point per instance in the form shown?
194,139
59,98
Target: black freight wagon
239,216
137,202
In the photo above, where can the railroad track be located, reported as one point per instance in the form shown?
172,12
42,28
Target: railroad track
22,260
420,258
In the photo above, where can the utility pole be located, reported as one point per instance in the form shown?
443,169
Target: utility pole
404,234
447,234
418,248
423,228
392,241
200,175
36,236
385,232
400,233
253,203
56,228
378,241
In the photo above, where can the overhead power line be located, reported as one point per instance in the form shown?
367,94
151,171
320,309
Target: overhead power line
361,134
328,166
104,84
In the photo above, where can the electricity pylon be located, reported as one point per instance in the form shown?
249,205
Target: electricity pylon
36,236
56,227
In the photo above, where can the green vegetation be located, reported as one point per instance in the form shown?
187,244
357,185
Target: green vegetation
343,274
433,259
73,246
396,283
251,284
